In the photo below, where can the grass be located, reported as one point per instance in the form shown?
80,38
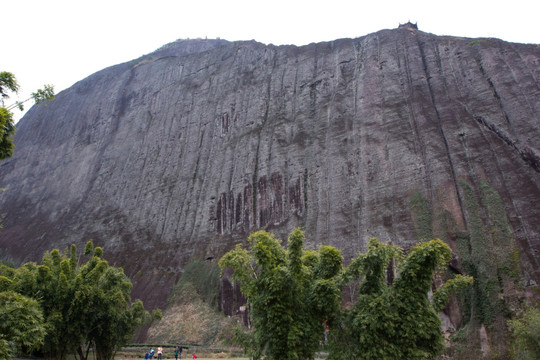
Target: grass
192,315
190,320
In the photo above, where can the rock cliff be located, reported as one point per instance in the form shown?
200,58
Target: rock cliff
179,154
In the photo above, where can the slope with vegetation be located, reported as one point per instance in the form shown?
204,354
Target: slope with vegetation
192,316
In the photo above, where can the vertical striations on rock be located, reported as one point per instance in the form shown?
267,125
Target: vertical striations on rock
179,154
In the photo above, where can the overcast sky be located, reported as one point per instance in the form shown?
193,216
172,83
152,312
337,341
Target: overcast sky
60,42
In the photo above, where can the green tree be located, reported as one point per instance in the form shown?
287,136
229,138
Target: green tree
290,292
398,320
9,84
526,335
84,305
21,324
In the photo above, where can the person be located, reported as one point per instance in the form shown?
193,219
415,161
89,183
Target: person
159,352
194,356
179,352
326,332
151,353
146,356
176,353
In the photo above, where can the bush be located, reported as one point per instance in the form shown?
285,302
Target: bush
526,335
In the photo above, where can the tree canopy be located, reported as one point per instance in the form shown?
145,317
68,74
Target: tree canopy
291,293
526,334
21,324
395,320
9,84
83,305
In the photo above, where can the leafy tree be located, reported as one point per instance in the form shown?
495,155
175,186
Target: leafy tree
526,335
8,83
291,292
84,305
398,320
21,324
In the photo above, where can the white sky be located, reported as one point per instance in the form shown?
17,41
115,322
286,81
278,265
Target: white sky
60,42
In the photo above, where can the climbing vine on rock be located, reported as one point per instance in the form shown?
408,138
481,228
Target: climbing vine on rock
488,253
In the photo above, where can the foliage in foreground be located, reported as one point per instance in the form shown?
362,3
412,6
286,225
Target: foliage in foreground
84,305
21,324
8,83
398,320
526,335
291,292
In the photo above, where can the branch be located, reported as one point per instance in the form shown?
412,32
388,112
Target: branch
442,294
41,95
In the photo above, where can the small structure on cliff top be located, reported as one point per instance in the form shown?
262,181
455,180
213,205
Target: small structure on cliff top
409,25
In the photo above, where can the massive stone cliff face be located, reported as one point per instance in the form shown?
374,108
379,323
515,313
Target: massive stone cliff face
180,154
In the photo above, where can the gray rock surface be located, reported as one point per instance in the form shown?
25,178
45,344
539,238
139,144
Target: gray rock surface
179,154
